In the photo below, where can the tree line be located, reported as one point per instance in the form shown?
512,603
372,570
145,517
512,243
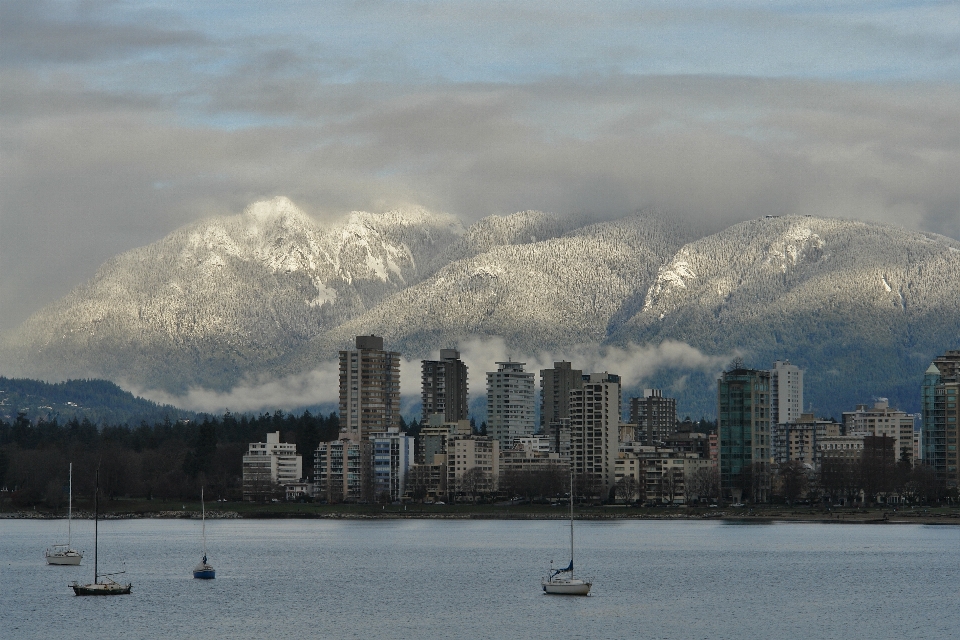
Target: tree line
165,460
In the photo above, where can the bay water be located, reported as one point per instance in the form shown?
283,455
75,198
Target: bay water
481,579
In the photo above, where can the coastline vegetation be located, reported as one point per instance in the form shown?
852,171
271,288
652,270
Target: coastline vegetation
161,461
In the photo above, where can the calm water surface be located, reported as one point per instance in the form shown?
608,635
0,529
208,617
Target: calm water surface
480,579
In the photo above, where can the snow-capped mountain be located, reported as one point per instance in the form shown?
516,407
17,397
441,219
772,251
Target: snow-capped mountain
862,307
223,297
537,295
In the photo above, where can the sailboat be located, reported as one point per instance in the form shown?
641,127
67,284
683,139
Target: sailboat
204,570
107,586
561,581
65,554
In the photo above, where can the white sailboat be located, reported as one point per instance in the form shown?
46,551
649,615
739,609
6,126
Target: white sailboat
103,584
65,554
561,581
204,570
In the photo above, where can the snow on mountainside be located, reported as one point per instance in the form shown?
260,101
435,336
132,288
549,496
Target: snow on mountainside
862,307
223,297
536,295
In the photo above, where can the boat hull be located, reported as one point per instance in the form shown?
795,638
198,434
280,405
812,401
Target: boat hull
70,558
208,573
566,587
100,589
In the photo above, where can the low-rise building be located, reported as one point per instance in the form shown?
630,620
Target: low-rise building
427,482
662,475
797,440
343,470
883,420
267,466
393,454
294,491
473,465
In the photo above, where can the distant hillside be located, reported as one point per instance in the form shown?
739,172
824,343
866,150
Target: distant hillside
99,401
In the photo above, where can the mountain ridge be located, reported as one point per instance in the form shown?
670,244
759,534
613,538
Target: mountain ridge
270,292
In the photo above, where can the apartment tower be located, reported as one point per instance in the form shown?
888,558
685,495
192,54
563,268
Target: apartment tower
655,417
941,388
595,433
510,403
743,423
444,387
369,389
555,387
786,392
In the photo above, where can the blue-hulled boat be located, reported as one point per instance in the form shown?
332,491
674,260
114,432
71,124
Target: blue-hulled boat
204,570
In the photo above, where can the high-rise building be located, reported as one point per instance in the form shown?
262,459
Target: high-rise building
444,387
369,389
594,432
941,388
555,387
786,392
743,424
654,416
510,403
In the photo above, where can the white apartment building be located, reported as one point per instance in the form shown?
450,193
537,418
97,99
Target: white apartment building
786,392
882,420
848,448
269,464
594,430
534,445
392,458
511,408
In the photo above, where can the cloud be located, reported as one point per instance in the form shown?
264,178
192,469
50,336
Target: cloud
44,31
121,123
634,364
319,386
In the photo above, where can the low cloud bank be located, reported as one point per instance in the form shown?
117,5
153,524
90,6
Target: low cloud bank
635,364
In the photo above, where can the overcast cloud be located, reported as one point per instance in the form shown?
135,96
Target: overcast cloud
121,121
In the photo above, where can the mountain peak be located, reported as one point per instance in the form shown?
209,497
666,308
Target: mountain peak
276,213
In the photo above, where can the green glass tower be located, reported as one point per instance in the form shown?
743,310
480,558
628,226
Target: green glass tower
743,422
941,388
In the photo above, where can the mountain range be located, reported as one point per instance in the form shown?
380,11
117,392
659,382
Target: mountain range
862,307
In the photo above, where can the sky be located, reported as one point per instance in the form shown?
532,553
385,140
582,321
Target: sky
122,121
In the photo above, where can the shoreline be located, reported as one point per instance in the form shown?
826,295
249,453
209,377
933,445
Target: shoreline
367,512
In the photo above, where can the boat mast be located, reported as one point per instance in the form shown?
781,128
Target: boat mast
571,522
203,525
96,521
70,509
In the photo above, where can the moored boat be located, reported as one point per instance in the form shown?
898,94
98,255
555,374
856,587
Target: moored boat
103,584
561,582
65,554
204,570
